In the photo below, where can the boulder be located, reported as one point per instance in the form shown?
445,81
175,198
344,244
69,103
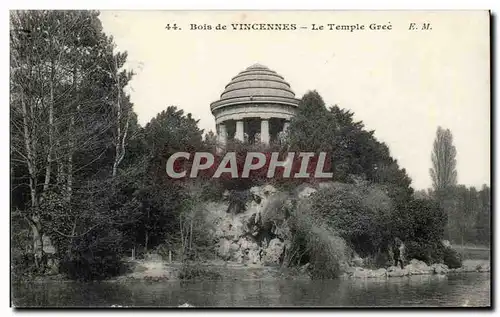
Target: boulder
394,271
359,272
224,247
232,228
234,247
456,270
243,243
219,232
238,256
306,192
263,191
439,268
380,273
273,251
268,190
247,244
417,267
254,256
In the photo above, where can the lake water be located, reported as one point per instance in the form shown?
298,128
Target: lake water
470,289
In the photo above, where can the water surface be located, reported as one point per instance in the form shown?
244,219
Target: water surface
471,289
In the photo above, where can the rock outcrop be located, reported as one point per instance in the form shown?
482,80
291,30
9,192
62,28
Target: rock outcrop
254,236
395,271
242,236
439,268
359,272
417,267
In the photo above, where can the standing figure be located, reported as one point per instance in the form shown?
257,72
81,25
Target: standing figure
398,251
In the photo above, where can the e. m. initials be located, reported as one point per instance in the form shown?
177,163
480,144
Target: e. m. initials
420,27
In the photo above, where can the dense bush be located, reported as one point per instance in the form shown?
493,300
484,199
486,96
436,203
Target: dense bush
326,252
429,252
312,241
22,264
359,213
420,224
452,258
197,239
22,259
94,257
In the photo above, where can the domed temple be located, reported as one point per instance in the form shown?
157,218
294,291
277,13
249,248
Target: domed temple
255,106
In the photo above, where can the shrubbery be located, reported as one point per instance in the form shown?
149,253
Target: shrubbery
452,258
94,257
363,214
22,264
427,251
358,213
420,224
195,271
311,240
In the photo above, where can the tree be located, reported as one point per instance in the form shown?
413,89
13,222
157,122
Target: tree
65,90
311,129
159,199
172,130
353,150
461,219
358,152
444,175
482,223
210,141
444,162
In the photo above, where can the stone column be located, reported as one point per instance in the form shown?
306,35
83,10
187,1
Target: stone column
222,135
239,135
264,131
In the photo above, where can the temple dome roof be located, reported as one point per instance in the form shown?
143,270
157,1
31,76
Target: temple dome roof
257,80
256,84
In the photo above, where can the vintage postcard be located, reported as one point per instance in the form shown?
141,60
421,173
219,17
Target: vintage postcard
250,159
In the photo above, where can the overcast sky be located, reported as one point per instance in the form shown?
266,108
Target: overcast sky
402,84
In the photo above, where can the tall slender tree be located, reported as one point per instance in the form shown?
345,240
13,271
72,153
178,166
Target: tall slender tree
444,162
444,177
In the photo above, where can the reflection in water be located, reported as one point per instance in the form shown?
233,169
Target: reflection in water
472,289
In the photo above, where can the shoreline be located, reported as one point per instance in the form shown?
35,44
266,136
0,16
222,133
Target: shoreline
163,271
